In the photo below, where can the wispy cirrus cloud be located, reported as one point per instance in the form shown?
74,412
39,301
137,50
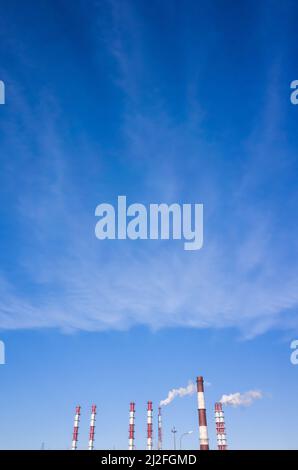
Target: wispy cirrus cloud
63,277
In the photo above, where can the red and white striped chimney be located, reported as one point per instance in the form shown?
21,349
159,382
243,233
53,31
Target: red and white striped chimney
159,445
92,428
149,426
220,427
131,431
75,434
203,431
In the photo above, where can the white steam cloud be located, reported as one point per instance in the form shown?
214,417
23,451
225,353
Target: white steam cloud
241,399
179,392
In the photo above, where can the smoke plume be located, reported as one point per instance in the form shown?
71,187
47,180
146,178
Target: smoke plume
241,399
179,392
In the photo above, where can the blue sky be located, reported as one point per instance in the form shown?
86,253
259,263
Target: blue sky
162,103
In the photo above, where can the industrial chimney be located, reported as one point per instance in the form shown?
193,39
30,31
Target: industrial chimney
220,427
203,431
92,428
159,445
76,429
149,426
131,431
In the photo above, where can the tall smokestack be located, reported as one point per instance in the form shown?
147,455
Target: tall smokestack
92,428
131,431
204,441
159,445
149,425
75,434
220,427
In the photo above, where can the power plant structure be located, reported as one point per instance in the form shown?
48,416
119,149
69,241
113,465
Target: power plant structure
149,426
92,428
159,442
76,425
202,421
220,427
203,430
131,430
